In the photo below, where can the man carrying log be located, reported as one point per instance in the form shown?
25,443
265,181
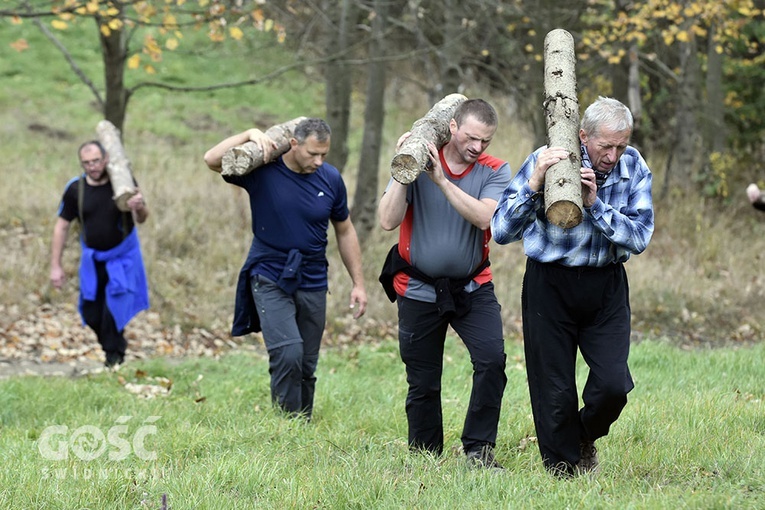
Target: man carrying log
282,287
113,287
575,292
439,275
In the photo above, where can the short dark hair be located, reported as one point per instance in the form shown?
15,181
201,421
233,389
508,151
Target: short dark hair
92,142
312,127
477,108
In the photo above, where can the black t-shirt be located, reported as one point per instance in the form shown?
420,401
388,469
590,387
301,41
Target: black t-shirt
104,222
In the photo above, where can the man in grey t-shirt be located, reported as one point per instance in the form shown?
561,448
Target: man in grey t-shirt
446,281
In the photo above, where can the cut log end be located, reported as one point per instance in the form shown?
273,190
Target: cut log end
564,214
404,168
122,199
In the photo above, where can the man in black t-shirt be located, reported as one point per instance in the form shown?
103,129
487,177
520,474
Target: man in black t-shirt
112,277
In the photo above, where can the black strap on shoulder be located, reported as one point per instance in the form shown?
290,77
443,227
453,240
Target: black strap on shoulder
80,202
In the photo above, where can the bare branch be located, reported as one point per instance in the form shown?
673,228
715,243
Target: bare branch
68,56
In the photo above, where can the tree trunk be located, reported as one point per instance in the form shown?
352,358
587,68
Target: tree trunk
120,173
337,81
634,99
412,157
686,135
245,158
563,188
714,123
114,53
365,199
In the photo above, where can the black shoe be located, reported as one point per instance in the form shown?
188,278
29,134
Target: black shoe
483,457
114,359
588,458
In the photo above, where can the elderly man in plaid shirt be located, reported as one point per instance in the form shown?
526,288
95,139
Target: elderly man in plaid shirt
575,292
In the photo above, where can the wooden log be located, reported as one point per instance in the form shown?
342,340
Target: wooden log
120,173
563,183
412,157
245,158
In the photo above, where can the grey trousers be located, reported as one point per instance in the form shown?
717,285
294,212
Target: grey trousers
293,325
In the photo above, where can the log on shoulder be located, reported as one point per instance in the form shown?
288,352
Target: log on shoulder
245,158
120,173
563,188
412,156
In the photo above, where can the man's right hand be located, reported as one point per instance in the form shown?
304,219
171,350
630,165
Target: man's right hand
546,159
266,144
57,277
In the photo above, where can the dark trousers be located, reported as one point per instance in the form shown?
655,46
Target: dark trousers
564,309
422,333
98,317
293,325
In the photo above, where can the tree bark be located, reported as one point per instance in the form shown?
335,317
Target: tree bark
563,188
365,199
114,52
245,158
337,80
120,174
412,156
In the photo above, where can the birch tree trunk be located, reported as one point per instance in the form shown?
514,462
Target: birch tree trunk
412,156
245,158
120,174
563,184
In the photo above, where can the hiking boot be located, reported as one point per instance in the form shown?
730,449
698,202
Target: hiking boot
588,458
483,457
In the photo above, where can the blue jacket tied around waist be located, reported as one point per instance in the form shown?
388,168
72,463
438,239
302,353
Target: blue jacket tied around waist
127,291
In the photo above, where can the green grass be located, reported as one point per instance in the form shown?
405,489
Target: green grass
692,436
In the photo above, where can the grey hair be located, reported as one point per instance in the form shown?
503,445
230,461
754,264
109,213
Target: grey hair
606,112
312,127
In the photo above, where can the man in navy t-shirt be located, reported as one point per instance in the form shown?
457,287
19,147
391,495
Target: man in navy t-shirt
283,284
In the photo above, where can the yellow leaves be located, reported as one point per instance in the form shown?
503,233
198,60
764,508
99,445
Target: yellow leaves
105,30
170,22
484,52
152,48
20,45
268,25
91,7
15,20
203,3
134,62
59,25
683,36
236,33
171,44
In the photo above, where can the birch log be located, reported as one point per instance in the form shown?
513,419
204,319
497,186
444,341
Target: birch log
412,157
245,158
120,174
563,184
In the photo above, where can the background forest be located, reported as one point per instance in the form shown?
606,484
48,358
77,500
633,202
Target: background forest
177,76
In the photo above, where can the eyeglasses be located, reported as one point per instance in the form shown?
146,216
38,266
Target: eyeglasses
91,162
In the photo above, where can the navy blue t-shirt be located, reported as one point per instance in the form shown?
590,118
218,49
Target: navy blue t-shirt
292,211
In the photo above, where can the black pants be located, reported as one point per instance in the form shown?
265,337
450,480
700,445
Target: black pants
564,309
98,317
422,333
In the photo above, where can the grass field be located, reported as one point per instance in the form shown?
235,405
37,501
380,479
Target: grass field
691,437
